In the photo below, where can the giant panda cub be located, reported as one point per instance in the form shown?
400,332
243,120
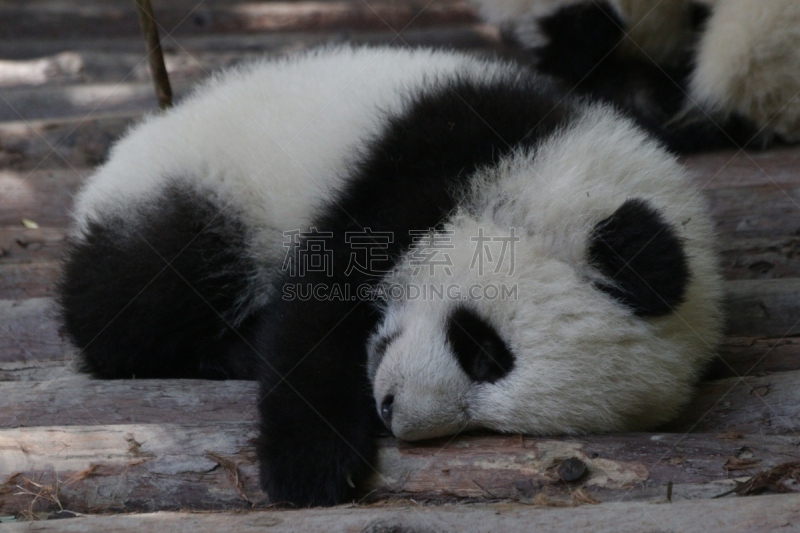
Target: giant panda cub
420,241
700,74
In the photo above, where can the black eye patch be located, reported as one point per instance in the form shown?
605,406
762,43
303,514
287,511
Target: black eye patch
480,351
379,351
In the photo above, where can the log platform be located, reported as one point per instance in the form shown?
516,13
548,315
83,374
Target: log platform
178,455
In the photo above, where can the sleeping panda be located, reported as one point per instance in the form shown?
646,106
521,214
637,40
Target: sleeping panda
414,240
699,74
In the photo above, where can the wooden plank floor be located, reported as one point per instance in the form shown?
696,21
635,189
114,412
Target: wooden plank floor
73,78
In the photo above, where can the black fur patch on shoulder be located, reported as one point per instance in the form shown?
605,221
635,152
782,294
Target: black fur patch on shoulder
582,53
318,416
480,351
132,314
643,257
580,37
700,14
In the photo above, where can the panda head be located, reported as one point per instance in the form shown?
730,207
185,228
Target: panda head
597,316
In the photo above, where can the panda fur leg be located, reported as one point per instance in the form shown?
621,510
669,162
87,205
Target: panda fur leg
155,299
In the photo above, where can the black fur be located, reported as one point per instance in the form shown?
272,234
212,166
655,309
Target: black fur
582,51
480,351
132,313
643,257
379,351
317,411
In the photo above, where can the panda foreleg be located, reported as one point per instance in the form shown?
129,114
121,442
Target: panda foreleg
317,416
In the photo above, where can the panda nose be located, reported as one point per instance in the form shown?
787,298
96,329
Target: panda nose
386,410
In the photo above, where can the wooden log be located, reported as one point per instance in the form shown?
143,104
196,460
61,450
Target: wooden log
766,405
53,393
100,54
30,331
43,196
80,101
762,258
41,63
33,280
761,513
59,399
114,19
167,467
19,244
91,100
757,211
60,143
755,356
39,371
729,168
61,67
763,307
153,467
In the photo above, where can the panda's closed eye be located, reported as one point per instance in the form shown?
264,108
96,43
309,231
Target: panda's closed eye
480,351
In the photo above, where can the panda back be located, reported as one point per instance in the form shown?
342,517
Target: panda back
272,139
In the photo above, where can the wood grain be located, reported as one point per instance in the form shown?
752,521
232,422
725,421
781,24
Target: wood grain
765,405
61,398
21,245
754,356
30,331
726,169
730,514
763,307
43,196
152,467
82,102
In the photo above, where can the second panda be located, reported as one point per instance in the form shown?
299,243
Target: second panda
228,238
700,74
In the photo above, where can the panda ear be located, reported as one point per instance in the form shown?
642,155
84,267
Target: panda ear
642,258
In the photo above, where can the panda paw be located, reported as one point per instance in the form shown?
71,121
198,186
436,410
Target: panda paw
314,468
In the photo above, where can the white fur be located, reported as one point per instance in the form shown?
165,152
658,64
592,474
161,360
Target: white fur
265,141
583,361
748,61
